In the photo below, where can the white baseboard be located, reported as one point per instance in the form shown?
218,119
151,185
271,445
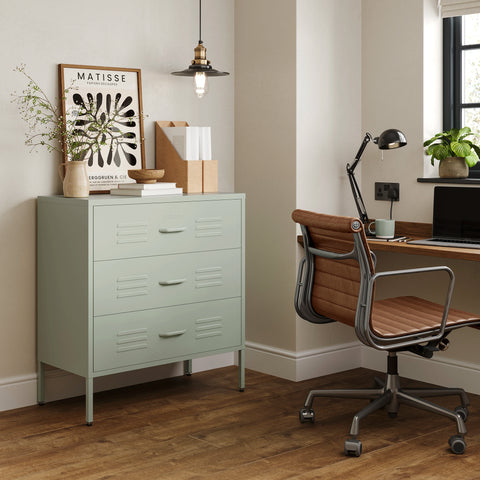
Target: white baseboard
299,366
21,391
445,372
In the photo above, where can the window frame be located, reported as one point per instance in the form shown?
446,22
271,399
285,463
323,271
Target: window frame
453,106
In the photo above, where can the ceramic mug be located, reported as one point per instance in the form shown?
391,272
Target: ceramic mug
383,228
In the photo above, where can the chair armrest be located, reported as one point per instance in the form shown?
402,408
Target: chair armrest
412,339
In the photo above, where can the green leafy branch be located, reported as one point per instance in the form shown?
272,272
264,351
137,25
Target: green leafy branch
48,128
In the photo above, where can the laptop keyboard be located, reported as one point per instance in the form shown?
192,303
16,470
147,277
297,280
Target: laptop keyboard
457,240
441,242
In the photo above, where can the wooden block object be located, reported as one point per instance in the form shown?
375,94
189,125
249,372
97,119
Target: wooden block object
194,176
210,176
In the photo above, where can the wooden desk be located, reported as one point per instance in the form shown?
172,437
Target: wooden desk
416,231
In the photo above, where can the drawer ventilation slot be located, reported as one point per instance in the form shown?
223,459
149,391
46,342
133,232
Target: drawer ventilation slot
208,277
208,327
208,227
131,233
132,340
132,286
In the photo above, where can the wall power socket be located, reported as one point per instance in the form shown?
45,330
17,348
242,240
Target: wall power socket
387,191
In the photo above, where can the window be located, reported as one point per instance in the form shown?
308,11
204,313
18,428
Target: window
461,75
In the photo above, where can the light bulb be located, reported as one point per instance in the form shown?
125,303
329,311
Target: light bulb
200,84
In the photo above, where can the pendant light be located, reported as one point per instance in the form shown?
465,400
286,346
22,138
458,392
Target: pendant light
200,69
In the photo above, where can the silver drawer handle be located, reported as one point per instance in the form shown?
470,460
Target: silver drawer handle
172,334
172,282
172,229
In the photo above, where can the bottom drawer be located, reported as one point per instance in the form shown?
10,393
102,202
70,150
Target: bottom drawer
151,336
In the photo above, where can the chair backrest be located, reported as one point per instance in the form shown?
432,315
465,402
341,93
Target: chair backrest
337,257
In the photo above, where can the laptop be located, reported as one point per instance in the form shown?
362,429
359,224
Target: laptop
456,218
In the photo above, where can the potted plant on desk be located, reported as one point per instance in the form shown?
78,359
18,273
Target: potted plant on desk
454,151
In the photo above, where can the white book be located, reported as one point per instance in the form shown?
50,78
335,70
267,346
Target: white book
185,140
205,149
147,186
133,192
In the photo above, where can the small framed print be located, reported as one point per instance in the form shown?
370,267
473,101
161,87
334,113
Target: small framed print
112,130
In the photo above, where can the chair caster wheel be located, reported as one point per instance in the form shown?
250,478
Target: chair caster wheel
306,415
463,412
457,444
353,447
392,414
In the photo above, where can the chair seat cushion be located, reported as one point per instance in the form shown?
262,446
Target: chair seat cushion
399,316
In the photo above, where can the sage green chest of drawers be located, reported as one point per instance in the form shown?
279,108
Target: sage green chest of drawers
130,283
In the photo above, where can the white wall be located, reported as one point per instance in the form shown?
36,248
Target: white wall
297,124
392,96
402,88
157,36
265,139
329,101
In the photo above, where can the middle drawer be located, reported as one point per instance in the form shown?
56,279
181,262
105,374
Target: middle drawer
152,282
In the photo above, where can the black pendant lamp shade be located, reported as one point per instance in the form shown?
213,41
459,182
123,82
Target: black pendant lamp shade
200,64
200,67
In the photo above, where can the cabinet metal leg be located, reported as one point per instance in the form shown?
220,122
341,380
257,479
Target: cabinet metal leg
187,367
41,383
89,400
241,370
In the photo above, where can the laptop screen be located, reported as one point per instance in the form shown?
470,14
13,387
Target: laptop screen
456,213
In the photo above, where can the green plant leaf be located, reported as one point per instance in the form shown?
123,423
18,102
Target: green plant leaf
471,160
476,148
460,149
438,151
426,143
454,133
464,131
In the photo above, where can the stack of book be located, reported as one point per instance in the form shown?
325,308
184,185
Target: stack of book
147,189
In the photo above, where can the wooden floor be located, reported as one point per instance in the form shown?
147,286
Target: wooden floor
201,427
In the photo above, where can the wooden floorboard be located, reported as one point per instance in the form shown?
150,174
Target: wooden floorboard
201,427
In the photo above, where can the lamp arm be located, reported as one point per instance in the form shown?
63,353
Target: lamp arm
368,137
357,196
362,211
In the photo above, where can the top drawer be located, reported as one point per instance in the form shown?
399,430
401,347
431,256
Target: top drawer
126,231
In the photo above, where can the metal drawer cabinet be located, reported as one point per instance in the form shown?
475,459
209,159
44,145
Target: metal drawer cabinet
130,283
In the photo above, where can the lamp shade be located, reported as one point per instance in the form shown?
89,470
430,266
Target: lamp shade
391,138
194,69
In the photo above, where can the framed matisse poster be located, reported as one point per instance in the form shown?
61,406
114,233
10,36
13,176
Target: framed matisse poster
103,114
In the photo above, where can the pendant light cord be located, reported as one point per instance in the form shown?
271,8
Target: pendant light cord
200,21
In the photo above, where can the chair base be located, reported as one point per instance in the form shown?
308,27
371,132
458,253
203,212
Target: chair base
390,395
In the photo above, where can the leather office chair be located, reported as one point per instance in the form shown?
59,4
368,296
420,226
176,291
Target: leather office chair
336,282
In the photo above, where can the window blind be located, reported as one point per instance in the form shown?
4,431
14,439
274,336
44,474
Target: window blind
457,8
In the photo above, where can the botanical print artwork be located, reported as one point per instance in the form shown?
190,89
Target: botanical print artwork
119,137
112,98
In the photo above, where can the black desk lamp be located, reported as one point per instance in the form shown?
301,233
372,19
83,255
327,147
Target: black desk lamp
389,139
